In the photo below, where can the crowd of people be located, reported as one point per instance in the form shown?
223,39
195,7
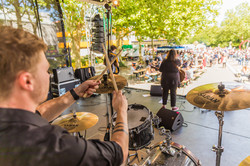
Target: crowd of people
192,61
195,59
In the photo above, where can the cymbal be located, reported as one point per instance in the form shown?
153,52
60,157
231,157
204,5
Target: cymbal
107,86
82,121
235,96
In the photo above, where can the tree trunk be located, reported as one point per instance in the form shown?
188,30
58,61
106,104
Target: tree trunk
5,19
140,55
76,40
152,46
118,40
16,5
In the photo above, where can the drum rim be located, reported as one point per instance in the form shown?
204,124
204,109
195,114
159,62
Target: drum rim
187,152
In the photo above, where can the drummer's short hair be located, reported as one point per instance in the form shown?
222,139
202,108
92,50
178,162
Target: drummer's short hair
19,51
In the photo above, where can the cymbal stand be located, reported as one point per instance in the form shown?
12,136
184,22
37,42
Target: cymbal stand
220,114
219,149
107,134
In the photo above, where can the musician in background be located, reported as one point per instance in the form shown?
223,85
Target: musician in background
26,136
115,65
170,78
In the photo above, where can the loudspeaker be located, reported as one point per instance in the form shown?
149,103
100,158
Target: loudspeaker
59,89
156,90
98,35
171,120
80,74
92,70
85,73
63,74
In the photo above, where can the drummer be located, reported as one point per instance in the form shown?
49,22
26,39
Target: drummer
26,136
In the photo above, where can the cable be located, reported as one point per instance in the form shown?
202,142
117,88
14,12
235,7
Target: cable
184,124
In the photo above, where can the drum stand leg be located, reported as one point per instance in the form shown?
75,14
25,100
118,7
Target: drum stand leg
219,149
107,134
133,159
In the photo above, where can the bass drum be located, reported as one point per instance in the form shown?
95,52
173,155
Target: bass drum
141,131
181,157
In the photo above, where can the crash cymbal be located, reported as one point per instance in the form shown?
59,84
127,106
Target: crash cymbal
235,96
81,121
107,86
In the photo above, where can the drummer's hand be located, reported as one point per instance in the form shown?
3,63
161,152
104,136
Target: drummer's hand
119,102
89,87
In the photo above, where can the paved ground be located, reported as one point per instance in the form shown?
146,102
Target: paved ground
202,130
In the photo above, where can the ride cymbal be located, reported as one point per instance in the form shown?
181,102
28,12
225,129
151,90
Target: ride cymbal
106,86
76,123
234,96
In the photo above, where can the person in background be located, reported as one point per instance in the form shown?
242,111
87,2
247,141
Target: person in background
26,136
139,66
170,78
112,55
147,59
147,74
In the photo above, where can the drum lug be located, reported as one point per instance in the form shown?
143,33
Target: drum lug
134,145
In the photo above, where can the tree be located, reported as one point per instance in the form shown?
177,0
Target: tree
73,11
172,20
234,28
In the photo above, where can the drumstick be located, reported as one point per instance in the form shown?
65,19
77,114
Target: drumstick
110,70
100,76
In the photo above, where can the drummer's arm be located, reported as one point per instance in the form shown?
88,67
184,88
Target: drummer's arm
120,132
53,108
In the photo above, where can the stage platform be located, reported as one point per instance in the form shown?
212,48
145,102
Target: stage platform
198,137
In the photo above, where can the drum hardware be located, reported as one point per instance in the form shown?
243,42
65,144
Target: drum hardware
158,156
166,149
156,121
219,149
220,97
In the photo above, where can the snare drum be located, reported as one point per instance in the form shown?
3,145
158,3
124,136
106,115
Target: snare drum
141,131
182,157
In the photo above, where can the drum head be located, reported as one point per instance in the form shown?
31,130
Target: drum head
136,117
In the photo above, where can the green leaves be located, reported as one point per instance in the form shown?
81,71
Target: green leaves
235,27
172,19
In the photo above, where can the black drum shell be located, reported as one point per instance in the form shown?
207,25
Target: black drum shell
141,135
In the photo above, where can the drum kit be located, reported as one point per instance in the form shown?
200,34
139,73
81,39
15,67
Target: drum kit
217,96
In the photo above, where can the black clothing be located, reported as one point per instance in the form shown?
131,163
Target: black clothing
170,79
172,88
26,139
115,66
170,74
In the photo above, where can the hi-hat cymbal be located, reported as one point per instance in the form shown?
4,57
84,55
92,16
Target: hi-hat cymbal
235,96
81,121
107,86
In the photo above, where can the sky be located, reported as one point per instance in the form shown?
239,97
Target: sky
228,4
